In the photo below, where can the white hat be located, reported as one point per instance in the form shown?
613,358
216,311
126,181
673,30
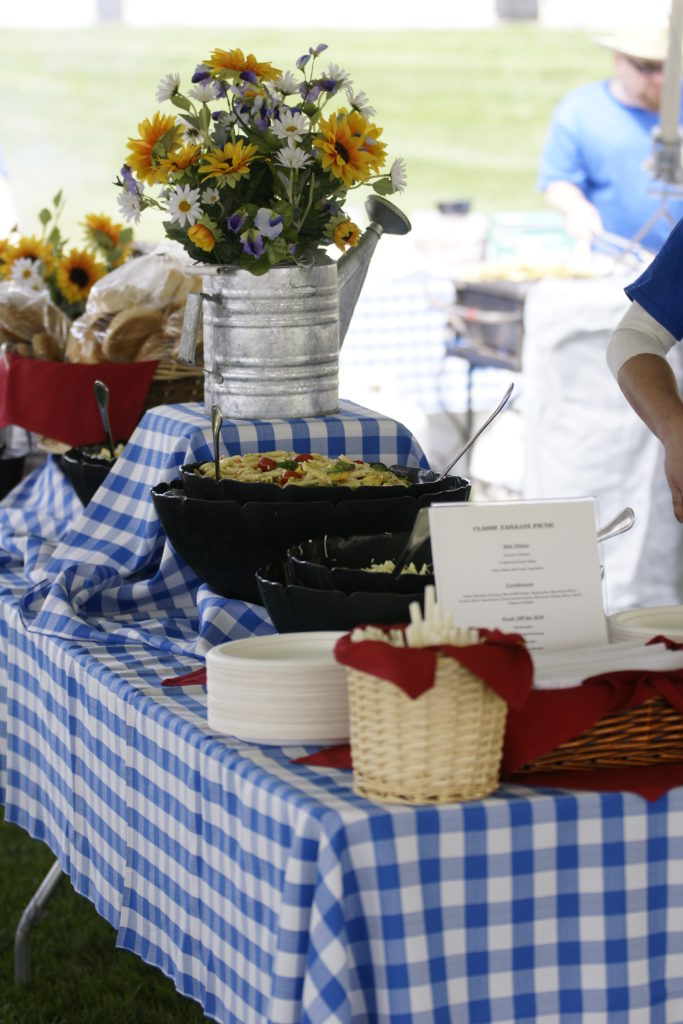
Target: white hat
644,43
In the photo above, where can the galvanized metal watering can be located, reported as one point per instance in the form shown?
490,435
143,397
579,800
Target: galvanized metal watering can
271,342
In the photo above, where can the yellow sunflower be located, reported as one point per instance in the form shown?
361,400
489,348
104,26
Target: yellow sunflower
158,137
345,234
76,274
28,247
202,237
97,224
228,164
376,150
341,149
229,64
180,159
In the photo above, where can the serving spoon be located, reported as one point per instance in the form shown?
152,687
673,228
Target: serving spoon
216,423
102,399
416,476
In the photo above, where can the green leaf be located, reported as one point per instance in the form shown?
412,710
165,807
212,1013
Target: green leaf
126,236
181,101
57,199
204,118
44,216
383,187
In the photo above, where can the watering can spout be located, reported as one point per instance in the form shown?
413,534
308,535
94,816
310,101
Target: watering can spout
352,267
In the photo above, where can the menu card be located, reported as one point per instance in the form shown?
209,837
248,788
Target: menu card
528,567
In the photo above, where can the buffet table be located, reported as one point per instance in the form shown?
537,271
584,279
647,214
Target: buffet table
266,889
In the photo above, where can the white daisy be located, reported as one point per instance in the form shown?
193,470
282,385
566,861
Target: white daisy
341,77
191,135
359,102
129,206
286,84
291,156
26,272
183,205
291,124
210,196
168,86
203,92
398,174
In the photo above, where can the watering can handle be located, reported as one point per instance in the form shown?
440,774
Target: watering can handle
188,336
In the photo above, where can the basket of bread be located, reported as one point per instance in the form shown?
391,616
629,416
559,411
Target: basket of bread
108,304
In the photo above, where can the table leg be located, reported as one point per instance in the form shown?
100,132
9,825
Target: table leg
32,914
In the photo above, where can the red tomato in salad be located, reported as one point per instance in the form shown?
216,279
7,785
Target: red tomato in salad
289,473
303,458
265,464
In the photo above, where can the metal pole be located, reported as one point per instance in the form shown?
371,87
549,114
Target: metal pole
32,914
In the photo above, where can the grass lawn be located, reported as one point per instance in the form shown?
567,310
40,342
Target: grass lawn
467,111
78,975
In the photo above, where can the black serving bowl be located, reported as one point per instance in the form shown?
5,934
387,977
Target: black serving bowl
421,482
86,469
225,542
339,563
293,607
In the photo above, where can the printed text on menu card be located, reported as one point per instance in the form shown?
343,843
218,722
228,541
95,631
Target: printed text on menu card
528,567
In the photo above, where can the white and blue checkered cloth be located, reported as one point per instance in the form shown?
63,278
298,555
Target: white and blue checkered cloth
267,890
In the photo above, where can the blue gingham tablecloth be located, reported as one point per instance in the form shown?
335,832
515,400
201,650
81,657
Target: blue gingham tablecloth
107,571
270,893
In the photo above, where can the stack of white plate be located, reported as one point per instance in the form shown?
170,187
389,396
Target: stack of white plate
644,623
282,689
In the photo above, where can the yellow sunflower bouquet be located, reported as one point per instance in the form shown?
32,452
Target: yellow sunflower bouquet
256,166
44,263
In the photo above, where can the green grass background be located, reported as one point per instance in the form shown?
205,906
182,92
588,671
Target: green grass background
467,110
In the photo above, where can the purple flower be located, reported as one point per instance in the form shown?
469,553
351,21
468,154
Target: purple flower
201,73
129,182
315,50
309,92
303,61
249,76
252,243
236,222
328,84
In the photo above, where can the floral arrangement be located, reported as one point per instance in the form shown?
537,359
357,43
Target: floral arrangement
44,264
254,170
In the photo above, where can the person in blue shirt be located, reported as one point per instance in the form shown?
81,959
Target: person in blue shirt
637,355
594,162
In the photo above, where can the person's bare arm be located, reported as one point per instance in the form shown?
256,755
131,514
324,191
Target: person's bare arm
650,387
582,219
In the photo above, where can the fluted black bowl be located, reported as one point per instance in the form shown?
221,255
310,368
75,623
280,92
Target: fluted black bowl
293,607
86,469
339,563
225,542
421,481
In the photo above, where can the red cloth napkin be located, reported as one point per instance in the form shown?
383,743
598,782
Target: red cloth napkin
551,717
502,661
57,400
194,678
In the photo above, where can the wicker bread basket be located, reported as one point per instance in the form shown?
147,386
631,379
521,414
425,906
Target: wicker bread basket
174,383
651,733
444,746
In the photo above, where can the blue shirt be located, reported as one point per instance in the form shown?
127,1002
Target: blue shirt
601,146
659,288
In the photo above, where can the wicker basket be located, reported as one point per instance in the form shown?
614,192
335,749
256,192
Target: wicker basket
173,383
445,745
651,733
